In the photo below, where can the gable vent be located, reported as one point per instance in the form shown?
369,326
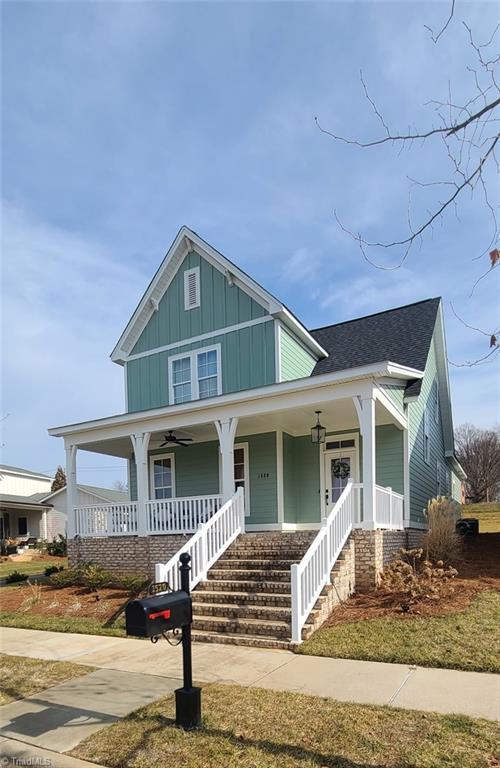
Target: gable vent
192,288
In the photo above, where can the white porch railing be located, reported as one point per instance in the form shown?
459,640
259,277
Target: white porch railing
313,572
180,515
389,508
106,519
208,543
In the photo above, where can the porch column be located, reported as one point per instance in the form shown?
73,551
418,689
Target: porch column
71,490
406,478
140,443
365,407
226,431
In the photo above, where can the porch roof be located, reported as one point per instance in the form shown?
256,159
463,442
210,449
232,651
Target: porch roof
288,405
13,501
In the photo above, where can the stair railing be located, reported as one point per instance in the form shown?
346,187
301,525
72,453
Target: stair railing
313,572
208,543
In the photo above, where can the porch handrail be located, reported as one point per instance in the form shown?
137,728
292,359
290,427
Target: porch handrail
180,515
389,508
313,572
207,544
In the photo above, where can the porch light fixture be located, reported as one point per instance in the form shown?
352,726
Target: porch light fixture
318,432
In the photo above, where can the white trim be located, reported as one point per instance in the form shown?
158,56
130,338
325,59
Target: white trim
306,390
185,241
195,384
277,349
125,381
406,472
280,487
386,401
155,457
194,271
246,473
201,337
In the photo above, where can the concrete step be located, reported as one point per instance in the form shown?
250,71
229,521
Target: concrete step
230,585
233,611
254,564
243,598
276,630
216,574
248,640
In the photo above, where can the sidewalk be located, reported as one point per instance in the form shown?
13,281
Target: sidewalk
433,690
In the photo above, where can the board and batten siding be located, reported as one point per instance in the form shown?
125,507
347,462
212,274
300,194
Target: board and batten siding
423,476
389,457
295,361
247,354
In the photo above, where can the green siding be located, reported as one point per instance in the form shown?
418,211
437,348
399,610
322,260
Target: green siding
396,394
221,305
296,362
423,480
389,457
263,478
301,480
247,360
196,468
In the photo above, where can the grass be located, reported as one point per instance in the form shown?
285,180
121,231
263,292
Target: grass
255,728
459,641
78,625
488,515
31,567
21,677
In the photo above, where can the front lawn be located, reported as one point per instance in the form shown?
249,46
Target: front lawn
76,624
255,728
21,677
31,567
463,640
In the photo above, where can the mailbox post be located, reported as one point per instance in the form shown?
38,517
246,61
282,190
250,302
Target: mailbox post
187,698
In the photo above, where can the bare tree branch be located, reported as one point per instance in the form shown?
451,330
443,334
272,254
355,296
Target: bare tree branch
434,37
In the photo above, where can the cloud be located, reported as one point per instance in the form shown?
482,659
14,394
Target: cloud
65,299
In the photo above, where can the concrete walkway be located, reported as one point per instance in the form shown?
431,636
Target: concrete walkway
433,690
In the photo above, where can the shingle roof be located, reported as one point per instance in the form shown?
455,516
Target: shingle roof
402,335
23,471
110,494
11,498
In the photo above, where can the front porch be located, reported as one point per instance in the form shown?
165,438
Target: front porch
263,447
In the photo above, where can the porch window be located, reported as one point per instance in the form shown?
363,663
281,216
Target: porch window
195,375
427,438
163,477
181,379
22,526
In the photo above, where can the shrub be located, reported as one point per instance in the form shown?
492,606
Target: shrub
442,542
53,569
67,577
16,576
94,577
58,547
414,579
134,583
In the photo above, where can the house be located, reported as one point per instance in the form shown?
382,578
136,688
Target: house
23,513
29,509
279,457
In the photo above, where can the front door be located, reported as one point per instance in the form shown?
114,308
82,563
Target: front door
340,467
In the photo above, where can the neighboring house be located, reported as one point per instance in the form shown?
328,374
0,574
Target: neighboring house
223,385
22,510
85,496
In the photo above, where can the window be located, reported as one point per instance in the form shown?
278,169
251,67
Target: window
427,440
339,444
22,526
162,476
241,472
192,288
436,403
195,375
181,379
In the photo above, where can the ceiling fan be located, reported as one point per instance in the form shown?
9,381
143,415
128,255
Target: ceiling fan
171,438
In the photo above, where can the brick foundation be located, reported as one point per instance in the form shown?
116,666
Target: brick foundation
375,549
125,554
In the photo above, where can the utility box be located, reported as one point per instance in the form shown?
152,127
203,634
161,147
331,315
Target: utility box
153,615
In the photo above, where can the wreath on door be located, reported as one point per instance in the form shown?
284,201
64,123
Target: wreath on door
341,469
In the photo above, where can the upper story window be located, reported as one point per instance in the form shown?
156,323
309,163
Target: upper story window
427,438
192,288
195,375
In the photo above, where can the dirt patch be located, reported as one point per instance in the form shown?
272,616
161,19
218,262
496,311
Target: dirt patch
44,600
479,570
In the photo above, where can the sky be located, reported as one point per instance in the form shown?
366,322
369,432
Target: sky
124,121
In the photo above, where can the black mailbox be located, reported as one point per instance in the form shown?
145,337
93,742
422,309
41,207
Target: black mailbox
154,615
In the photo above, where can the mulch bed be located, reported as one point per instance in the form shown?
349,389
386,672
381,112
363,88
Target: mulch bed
479,570
68,601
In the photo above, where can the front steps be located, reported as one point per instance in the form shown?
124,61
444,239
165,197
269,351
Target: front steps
246,597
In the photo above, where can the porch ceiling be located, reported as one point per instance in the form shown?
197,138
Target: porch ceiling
336,416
